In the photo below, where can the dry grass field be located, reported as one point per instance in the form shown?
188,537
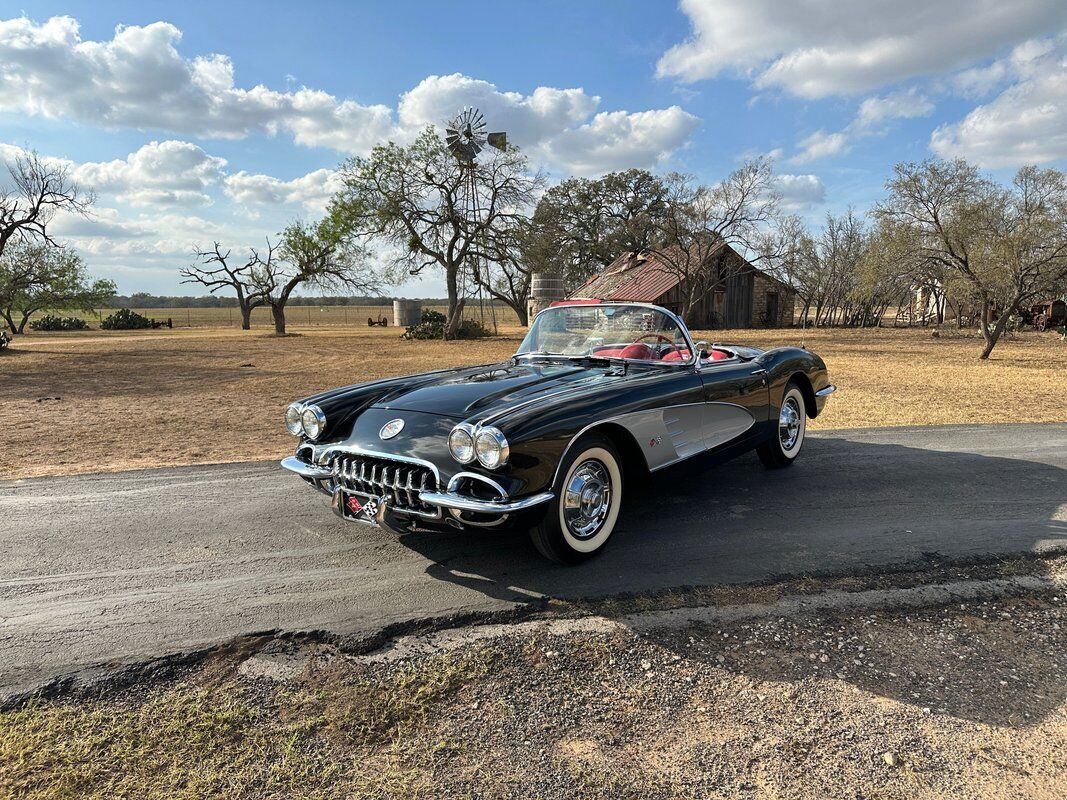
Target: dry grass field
99,401
300,316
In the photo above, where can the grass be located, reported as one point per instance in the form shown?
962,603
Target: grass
329,736
185,396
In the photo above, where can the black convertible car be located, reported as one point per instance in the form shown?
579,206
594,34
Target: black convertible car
597,395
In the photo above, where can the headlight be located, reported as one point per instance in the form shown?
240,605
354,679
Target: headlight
313,421
491,448
292,418
461,443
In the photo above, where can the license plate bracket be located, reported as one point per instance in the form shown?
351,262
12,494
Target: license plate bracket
359,507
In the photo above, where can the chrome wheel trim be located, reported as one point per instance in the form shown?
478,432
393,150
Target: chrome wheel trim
791,423
587,499
600,535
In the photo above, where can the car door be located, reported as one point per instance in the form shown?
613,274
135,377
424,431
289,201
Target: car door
736,398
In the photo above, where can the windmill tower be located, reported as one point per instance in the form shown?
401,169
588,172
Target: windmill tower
466,137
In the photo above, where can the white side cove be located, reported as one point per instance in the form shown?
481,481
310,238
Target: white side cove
668,435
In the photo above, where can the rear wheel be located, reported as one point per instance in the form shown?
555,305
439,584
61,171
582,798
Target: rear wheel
783,447
580,519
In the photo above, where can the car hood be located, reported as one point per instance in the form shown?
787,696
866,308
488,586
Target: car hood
481,391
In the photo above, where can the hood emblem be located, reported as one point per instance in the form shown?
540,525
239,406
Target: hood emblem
391,428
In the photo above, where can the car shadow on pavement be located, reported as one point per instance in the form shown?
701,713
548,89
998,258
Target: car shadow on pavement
846,507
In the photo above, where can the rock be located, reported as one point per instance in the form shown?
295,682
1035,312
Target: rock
891,758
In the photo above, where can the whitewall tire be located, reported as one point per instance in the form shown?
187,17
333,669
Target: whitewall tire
786,440
581,517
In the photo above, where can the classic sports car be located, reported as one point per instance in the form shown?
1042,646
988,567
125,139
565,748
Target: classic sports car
597,395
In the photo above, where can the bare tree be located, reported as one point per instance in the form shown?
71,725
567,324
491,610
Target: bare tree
37,191
697,220
317,254
414,198
1008,244
215,272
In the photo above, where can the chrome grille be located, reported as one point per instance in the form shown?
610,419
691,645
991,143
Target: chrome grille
399,481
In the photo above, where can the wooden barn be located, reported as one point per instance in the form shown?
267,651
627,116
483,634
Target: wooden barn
744,297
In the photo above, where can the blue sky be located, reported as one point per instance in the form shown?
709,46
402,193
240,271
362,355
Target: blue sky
201,121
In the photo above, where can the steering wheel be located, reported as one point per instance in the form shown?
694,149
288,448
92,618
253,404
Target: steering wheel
659,338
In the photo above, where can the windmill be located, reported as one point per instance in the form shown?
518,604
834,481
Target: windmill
466,137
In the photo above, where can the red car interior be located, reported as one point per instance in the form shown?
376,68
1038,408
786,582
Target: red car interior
646,353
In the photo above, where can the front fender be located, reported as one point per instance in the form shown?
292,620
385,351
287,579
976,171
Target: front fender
788,363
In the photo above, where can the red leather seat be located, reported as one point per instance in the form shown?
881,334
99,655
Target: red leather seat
637,350
683,355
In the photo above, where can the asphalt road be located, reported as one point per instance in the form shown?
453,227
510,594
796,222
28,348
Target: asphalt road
139,564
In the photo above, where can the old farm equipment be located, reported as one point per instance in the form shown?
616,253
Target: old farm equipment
1045,315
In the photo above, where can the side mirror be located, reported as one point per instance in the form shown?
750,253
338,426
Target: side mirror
702,350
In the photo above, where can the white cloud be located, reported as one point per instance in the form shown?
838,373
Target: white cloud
871,118
528,119
313,190
979,81
139,79
800,192
171,172
618,140
1025,124
820,145
814,49
897,105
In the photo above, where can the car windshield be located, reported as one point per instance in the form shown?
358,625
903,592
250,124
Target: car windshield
637,333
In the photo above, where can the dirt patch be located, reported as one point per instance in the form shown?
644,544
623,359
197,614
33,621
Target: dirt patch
72,403
960,699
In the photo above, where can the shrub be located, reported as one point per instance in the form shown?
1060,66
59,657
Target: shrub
51,322
432,326
125,320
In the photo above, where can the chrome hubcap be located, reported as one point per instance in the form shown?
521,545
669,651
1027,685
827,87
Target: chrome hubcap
587,499
789,424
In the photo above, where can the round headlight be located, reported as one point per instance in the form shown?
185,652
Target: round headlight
461,444
491,448
292,418
313,421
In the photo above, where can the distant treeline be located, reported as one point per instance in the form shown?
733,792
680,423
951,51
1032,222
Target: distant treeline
145,300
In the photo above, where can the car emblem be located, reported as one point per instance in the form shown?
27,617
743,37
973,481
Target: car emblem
391,428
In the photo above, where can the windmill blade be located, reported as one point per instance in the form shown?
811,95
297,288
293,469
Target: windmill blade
498,140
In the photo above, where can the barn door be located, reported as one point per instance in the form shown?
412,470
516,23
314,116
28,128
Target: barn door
739,300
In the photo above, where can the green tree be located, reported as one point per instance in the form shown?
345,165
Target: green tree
40,276
581,225
412,201
322,255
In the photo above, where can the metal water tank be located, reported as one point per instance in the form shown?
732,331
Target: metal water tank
545,289
406,313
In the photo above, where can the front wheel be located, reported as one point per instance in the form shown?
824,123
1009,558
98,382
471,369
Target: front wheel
783,447
580,518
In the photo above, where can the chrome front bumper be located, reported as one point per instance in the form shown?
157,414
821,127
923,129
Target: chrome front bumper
459,502
312,472
450,500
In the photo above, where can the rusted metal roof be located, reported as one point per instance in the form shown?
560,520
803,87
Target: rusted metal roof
633,277
648,284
